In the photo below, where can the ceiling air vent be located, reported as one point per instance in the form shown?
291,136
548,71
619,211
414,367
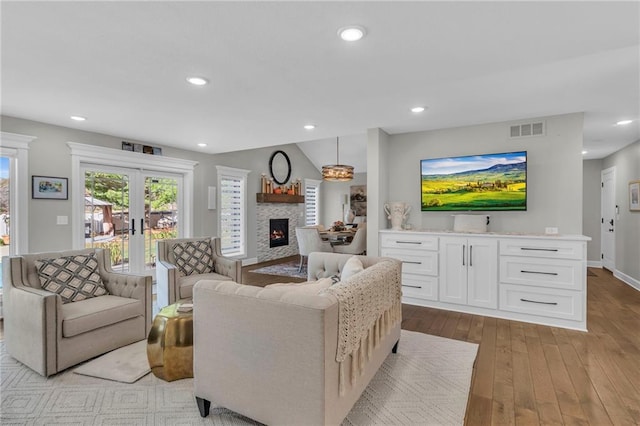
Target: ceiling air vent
527,129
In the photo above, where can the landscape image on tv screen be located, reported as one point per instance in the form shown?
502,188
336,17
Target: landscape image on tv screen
475,182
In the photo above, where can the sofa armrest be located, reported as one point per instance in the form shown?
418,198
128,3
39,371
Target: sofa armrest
166,282
134,287
32,327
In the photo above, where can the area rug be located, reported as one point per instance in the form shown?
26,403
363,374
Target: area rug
127,364
426,383
288,269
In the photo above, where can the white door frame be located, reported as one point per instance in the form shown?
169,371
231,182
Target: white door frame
608,201
82,154
16,146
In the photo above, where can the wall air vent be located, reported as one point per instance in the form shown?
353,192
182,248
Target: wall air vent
527,129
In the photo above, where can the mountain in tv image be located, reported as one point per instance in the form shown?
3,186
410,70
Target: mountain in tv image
499,187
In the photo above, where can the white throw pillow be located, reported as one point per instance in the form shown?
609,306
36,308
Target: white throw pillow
352,267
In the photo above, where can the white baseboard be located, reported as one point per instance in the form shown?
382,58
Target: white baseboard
250,261
627,279
594,264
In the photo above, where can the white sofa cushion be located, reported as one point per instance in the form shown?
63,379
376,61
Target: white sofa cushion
309,287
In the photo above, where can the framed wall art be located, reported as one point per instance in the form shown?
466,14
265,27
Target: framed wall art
634,195
50,188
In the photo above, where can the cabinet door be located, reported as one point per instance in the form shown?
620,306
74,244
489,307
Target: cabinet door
453,270
482,272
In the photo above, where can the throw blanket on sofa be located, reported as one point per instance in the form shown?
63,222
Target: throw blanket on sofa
369,306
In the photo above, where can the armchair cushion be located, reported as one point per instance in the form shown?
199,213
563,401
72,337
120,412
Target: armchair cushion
74,278
91,314
187,283
193,257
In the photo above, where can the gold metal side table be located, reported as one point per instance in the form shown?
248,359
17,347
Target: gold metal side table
170,344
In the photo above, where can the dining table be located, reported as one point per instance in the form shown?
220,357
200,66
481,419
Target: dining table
338,237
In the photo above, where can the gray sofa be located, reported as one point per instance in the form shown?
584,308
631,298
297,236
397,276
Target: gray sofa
49,336
271,353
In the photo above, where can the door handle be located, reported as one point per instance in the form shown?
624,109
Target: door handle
611,222
142,225
133,227
470,255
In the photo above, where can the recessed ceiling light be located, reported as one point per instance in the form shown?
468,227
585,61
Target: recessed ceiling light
197,81
623,122
78,118
309,126
202,145
351,33
417,109
585,152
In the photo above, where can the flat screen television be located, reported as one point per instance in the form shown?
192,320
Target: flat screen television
487,182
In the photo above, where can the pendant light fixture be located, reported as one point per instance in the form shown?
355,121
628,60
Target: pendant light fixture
337,172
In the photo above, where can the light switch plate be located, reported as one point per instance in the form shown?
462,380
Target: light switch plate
62,220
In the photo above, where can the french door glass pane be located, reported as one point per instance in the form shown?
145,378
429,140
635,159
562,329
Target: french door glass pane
160,213
106,215
5,229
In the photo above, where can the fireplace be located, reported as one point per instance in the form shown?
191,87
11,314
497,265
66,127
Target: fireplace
278,232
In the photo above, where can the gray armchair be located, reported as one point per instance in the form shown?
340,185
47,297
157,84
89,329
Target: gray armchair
49,336
309,241
173,284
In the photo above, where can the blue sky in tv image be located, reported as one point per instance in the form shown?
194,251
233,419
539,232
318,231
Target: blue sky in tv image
450,165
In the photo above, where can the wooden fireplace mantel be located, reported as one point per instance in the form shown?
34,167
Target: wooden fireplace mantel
263,197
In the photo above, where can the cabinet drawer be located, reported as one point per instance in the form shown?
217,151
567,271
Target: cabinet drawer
542,248
414,261
409,241
547,302
420,286
555,273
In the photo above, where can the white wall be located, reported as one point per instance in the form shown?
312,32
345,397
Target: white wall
332,195
50,156
591,211
627,164
554,172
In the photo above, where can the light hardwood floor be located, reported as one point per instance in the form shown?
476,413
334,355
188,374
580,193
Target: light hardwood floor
531,374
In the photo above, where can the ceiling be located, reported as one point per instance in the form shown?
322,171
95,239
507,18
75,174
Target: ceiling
274,67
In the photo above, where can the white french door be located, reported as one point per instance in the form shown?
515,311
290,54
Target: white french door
608,219
127,211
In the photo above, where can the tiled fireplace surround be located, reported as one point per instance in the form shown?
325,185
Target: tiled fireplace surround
266,211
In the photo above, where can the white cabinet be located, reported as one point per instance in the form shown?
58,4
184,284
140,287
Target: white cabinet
543,277
469,271
419,256
533,278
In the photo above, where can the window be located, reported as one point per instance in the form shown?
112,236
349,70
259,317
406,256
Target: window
311,202
232,210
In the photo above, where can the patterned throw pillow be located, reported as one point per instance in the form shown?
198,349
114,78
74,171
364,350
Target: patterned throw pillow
74,278
193,257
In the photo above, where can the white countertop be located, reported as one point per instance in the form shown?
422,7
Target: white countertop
492,234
